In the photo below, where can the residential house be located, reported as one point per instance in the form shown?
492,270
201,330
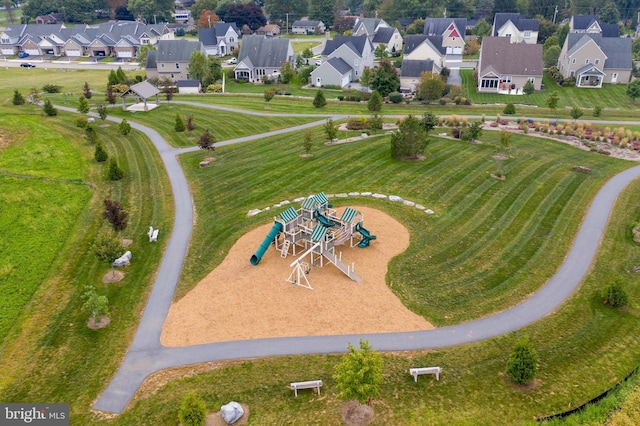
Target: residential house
379,32
262,57
423,47
593,59
354,51
182,15
308,27
270,30
506,67
591,24
220,40
515,26
51,18
405,23
452,31
171,59
412,71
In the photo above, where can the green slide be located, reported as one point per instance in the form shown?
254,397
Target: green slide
366,235
255,259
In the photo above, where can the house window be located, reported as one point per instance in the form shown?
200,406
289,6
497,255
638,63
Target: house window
145,41
177,65
506,79
532,80
527,34
161,65
489,84
573,61
597,61
232,48
573,73
586,61
507,35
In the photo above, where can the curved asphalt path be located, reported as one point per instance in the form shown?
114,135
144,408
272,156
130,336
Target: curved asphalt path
147,355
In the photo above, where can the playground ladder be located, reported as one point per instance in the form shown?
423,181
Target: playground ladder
340,265
341,237
285,248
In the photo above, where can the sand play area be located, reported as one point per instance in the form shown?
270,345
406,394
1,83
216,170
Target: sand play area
239,301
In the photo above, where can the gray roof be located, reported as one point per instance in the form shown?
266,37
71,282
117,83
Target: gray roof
384,35
207,36
521,23
264,52
176,50
188,83
143,89
305,23
151,60
500,55
355,43
415,68
369,24
590,69
582,22
616,49
437,26
413,41
340,65
610,30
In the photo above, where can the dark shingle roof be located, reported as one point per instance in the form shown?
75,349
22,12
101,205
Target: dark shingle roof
369,23
413,41
176,50
518,20
151,60
340,65
617,50
437,26
188,83
207,36
264,52
305,23
582,22
499,54
384,35
610,30
356,43
415,68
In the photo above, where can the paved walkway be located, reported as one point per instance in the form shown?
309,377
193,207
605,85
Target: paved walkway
147,355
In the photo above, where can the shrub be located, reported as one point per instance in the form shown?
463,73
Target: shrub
124,128
523,363
51,88
115,172
597,111
395,97
375,122
49,109
94,304
107,246
358,124
214,88
18,99
100,155
331,129
179,126
81,122
319,101
375,102
614,294
509,109
190,124
193,410
528,88
90,133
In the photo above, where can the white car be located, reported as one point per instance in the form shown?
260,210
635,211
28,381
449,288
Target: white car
318,62
232,61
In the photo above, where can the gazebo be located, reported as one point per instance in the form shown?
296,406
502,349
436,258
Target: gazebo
141,91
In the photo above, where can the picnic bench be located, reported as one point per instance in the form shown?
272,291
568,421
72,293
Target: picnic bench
311,384
153,234
415,372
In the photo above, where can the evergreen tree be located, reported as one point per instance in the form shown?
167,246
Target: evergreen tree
179,126
102,112
384,78
18,99
375,102
124,128
49,109
122,77
86,91
115,172
100,155
523,363
410,141
83,105
113,78
319,101
90,133
110,96
331,129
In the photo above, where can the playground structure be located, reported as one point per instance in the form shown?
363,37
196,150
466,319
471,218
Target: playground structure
315,229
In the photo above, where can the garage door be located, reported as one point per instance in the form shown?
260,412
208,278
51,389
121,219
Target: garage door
8,51
449,50
457,50
126,54
73,52
34,52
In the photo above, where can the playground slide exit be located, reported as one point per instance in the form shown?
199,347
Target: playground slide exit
366,235
255,259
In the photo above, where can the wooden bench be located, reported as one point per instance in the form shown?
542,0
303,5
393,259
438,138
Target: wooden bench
415,372
311,384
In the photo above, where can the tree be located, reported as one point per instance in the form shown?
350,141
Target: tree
472,132
331,129
429,121
100,155
381,51
343,23
193,410
83,105
269,94
609,13
562,34
365,77
287,73
417,27
597,110
375,102
202,5
107,246
546,27
179,126
576,113
115,214
8,7
86,91
124,128
528,88
509,109
115,172
278,9
123,14
18,99
95,305
523,363
633,90
191,126
90,134
410,141
319,101
49,109
359,374
249,14
431,87
152,11
322,10
102,112
552,100
207,19
384,78
307,142
635,48
110,96
122,77
34,96
614,294
481,29
206,70
550,56
206,141
143,52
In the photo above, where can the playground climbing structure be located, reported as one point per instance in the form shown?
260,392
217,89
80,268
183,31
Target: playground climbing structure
315,230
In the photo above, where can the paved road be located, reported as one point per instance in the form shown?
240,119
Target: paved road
147,355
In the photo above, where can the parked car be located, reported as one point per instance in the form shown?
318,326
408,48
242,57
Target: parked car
27,65
318,62
23,55
232,61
